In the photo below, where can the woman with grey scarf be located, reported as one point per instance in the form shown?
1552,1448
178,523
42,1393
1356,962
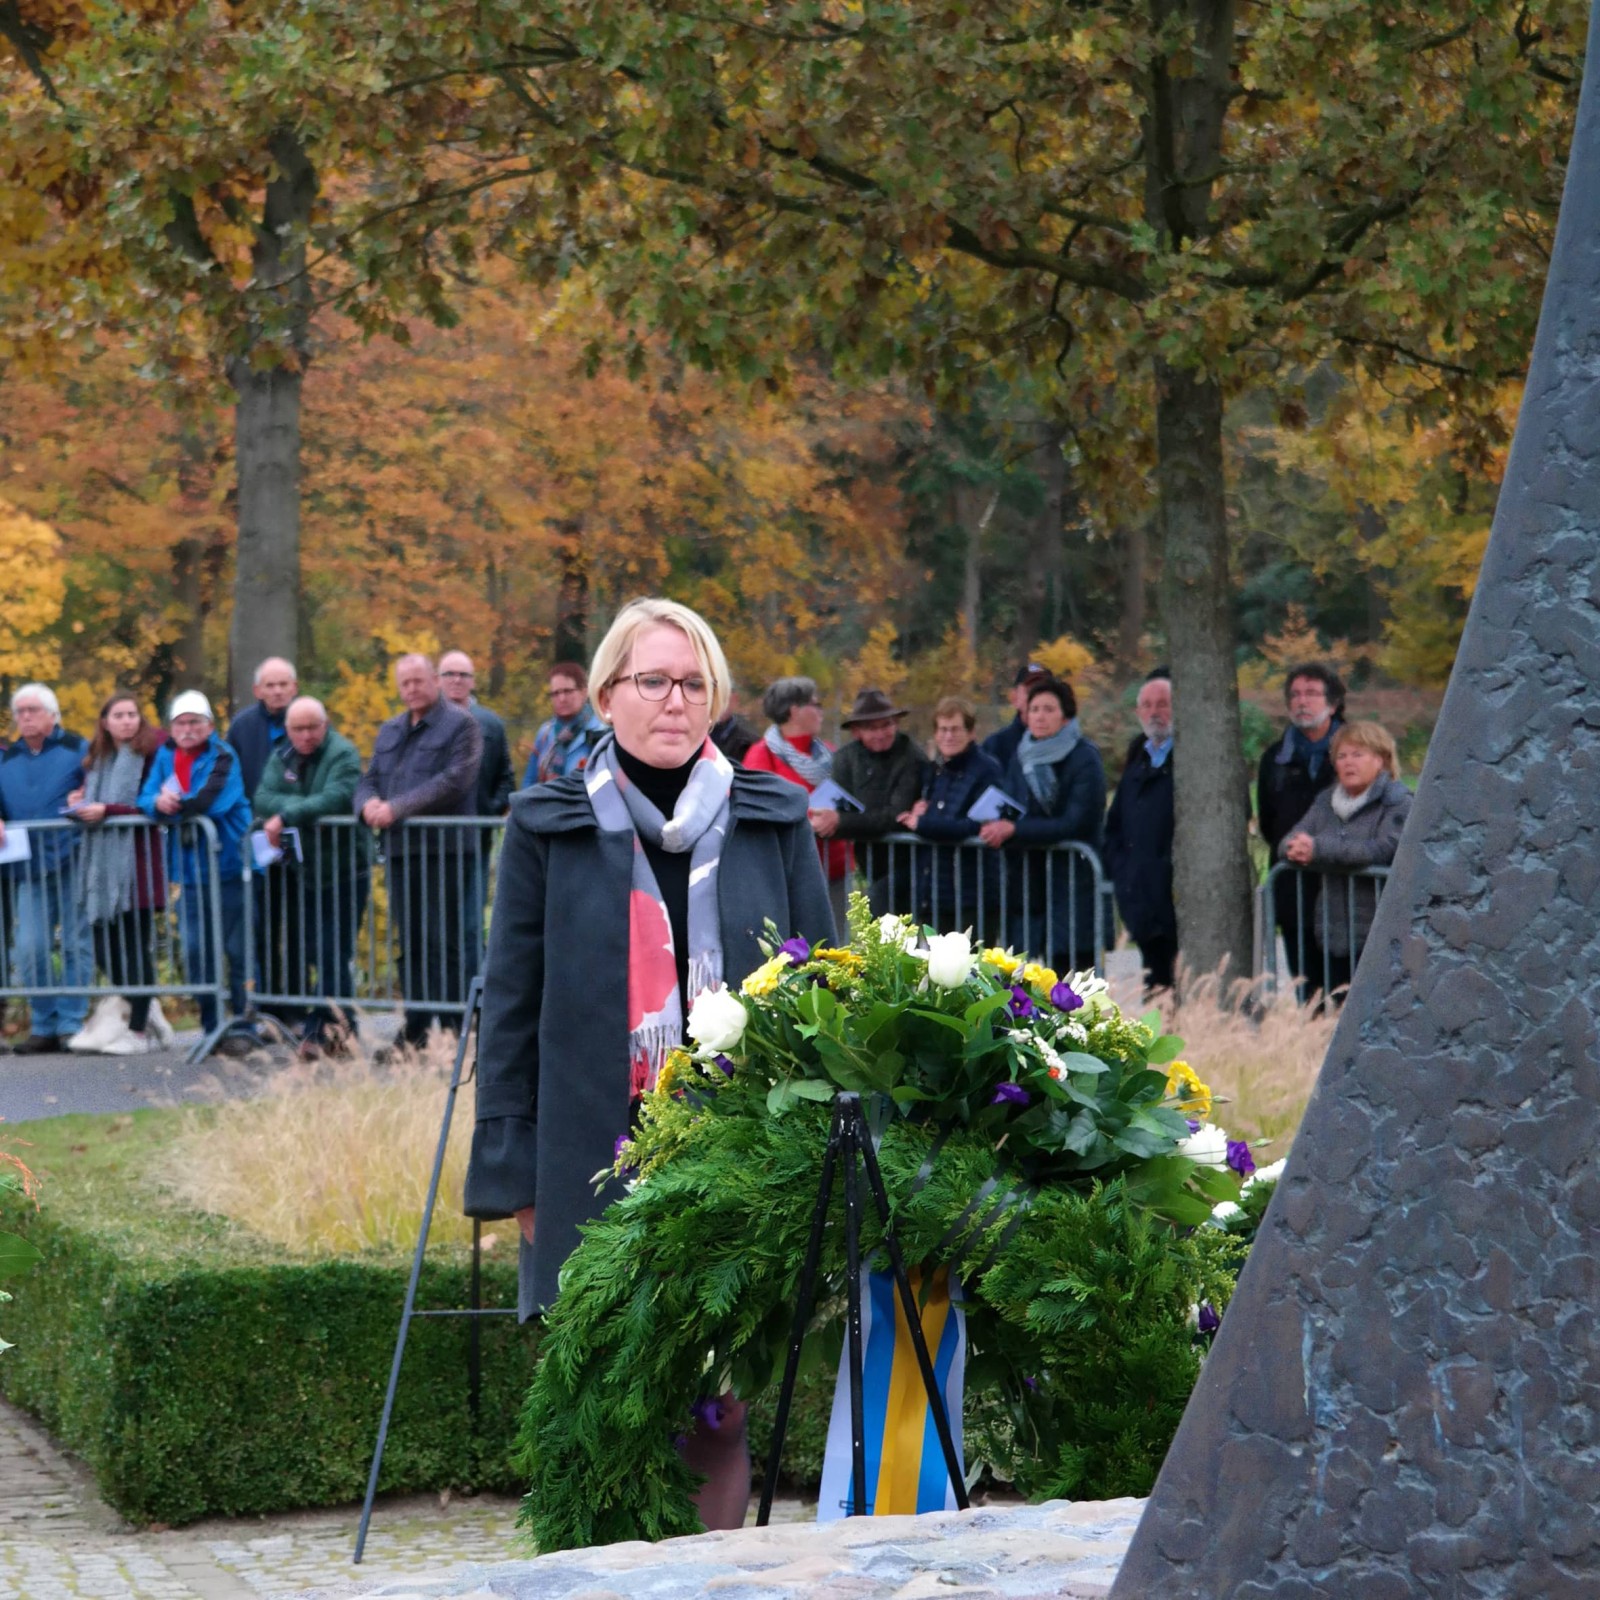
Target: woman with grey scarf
121,880
1059,777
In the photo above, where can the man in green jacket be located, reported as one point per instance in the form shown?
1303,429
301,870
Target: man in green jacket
320,896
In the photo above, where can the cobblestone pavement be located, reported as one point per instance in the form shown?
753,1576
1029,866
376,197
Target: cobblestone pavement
59,1541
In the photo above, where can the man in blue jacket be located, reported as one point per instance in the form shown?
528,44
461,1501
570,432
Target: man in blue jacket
195,774
37,773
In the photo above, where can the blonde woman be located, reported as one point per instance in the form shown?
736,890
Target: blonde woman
1356,823
624,891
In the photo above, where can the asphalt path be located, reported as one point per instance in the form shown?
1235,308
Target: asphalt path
32,1087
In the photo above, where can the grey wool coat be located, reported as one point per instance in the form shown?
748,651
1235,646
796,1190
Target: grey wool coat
553,1082
1341,845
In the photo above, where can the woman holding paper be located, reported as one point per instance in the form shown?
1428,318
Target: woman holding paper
794,749
963,771
1059,777
121,881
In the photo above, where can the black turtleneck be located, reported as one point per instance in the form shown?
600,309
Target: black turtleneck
661,786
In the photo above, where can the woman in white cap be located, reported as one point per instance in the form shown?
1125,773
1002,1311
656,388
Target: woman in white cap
195,774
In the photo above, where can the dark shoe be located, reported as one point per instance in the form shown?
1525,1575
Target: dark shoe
40,1044
236,1046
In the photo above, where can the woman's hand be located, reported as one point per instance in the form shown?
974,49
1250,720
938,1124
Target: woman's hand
1299,848
823,823
994,834
90,813
525,1222
76,797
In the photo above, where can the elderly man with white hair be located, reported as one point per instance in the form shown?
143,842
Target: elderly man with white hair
311,925
37,774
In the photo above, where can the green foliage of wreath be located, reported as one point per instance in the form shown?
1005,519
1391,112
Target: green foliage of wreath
1080,1333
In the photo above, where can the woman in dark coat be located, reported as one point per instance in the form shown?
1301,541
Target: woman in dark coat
1059,776
1357,823
956,888
624,892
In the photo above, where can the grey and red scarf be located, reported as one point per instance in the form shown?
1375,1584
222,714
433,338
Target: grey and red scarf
699,823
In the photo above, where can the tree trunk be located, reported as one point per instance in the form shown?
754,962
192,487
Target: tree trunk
1130,623
1211,860
267,381
187,667
571,642
973,506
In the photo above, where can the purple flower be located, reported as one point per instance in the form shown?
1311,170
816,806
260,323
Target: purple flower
623,1140
708,1413
1209,1320
1022,1003
1011,1094
725,1064
1032,1383
1194,1125
797,950
1065,998
1239,1157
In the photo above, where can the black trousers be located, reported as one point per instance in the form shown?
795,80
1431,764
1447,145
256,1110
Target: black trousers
125,950
311,940
433,895
1160,958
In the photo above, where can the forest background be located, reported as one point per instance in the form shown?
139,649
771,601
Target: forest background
906,341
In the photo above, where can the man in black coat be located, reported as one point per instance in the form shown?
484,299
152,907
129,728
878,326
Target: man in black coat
255,734
258,730
458,679
1138,838
425,765
1293,772
1002,744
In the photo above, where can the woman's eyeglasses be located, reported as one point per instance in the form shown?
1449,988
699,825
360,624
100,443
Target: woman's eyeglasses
659,686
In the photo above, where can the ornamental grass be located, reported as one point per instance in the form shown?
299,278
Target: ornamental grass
334,1158
1260,1053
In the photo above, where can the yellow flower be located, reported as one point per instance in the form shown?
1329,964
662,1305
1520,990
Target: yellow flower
678,1062
765,978
1196,1096
1042,978
850,959
1002,961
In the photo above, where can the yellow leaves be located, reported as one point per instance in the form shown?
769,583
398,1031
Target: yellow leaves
34,583
1065,657
876,667
360,703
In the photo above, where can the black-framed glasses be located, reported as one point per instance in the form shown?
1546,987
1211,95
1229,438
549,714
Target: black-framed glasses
659,686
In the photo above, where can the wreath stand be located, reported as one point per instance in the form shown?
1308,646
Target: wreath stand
849,1139
473,1310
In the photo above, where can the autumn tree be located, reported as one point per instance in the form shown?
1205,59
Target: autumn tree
1189,197
223,170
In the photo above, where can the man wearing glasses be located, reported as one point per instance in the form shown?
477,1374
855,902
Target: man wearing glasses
1293,772
565,743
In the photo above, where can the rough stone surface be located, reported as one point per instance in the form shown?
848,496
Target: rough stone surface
1404,1398
990,1553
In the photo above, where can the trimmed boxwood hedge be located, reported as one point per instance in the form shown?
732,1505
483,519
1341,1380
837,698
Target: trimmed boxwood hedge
201,1371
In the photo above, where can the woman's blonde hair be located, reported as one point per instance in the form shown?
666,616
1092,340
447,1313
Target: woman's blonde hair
1371,736
611,659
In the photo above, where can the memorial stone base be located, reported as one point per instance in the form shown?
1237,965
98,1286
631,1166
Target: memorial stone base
1059,1549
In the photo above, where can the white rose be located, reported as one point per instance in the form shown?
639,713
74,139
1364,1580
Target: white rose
717,1019
949,959
893,929
1207,1148
1222,1211
1265,1174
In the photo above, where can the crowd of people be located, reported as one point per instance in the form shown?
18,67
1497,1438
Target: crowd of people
957,831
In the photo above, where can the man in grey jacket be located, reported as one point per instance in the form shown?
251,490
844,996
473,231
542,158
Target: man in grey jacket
425,765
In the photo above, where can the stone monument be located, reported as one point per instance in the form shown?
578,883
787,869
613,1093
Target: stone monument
1404,1398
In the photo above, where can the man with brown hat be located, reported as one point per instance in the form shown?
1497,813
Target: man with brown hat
881,770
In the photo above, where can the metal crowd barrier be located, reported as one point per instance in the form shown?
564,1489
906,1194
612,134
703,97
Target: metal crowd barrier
1055,902
1323,908
366,921
50,951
